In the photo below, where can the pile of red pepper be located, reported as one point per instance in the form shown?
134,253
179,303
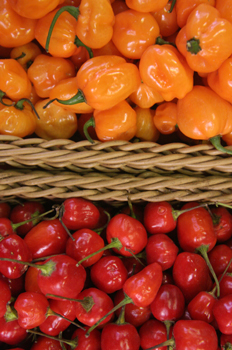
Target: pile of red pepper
82,275
132,69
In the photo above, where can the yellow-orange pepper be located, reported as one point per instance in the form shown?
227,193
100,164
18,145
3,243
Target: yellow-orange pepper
225,9
26,54
205,40
146,129
167,21
34,9
204,115
165,118
146,6
14,121
184,8
220,80
55,122
145,96
164,69
14,81
134,32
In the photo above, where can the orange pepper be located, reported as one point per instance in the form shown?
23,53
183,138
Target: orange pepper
184,8
79,57
146,130
204,115
134,32
46,71
116,123
14,81
94,23
75,3
66,89
55,122
15,30
34,9
62,43
19,121
225,9
102,82
227,138
163,68
205,40
167,21
220,80
146,6
25,54
108,49
165,118
145,96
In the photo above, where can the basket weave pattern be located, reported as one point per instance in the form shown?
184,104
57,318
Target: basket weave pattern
112,171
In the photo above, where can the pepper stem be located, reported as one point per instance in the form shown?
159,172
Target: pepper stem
193,46
33,218
115,243
73,343
72,10
46,269
100,229
78,98
90,122
87,302
50,312
172,6
19,105
177,213
216,142
203,249
79,43
2,94
125,301
169,342
161,41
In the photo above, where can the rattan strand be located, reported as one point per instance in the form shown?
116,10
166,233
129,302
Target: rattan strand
28,184
114,156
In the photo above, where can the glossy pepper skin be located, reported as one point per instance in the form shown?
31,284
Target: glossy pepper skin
134,32
34,9
205,40
163,68
14,80
107,80
95,21
202,114
146,6
28,52
15,30
184,8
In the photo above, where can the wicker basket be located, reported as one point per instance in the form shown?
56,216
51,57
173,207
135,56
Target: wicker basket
36,168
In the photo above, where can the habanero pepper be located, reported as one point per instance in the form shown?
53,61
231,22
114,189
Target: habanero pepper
15,30
146,6
103,82
63,38
116,123
16,121
145,96
220,80
164,69
14,82
165,118
225,8
204,115
93,23
184,8
167,21
134,32
34,9
46,71
55,122
146,129
205,40
25,54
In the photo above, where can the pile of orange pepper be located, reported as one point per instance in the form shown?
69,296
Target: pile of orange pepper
133,69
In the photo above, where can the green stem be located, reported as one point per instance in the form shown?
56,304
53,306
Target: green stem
100,229
2,94
168,325
227,346
132,213
87,302
224,205
203,249
61,213
73,343
47,269
34,218
115,243
177,213
50,312
172,6
161,41
193,46
125,301
19,105
216,142
90,122
74,11
169,342
78,98
79,43
21,56
121,317
11,314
